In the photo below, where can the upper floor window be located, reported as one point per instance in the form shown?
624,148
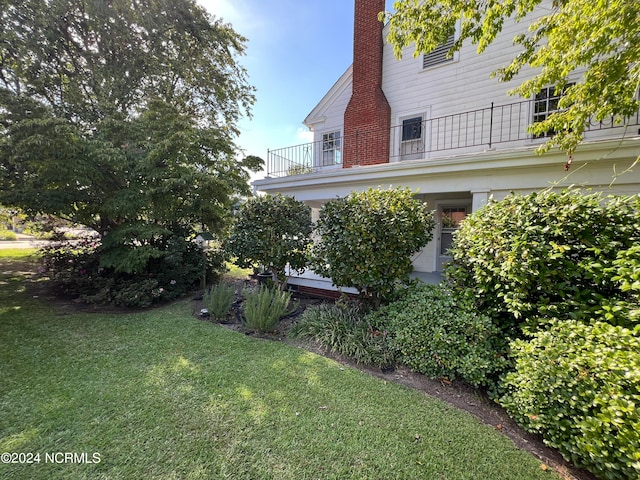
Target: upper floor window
544,104
331,149
412,138
438,55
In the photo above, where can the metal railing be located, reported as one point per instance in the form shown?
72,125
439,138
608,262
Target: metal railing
466,132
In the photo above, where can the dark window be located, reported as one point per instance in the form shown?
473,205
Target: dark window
412,129
412,141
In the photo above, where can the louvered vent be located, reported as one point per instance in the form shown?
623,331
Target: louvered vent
438,55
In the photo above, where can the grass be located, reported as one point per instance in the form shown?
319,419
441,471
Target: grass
162,395
8,254
237,273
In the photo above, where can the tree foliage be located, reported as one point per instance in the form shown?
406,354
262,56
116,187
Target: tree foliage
272,231
601,39
121,115
367,239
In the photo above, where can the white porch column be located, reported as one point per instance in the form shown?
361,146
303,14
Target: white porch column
480,199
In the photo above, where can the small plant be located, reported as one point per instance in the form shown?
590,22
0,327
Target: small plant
272,231
340,328
218,300
263,307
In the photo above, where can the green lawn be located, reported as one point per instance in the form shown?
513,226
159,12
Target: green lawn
162,395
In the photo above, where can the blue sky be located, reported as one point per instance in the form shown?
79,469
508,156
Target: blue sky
296,50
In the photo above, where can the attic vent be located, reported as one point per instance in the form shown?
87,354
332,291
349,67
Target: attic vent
438,55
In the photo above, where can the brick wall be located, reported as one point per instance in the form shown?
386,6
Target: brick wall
367,119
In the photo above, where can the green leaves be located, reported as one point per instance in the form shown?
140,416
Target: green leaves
549,255
121,116
367,239
579,386
263,307
437,334
272,231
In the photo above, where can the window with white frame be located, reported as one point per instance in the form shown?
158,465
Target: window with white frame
412,138
544,104
438,55
331,149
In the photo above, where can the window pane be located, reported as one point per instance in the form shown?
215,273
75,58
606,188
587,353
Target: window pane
331,143
412,129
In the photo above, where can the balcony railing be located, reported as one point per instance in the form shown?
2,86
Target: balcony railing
501,126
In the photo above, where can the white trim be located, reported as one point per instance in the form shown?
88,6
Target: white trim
492,162
467,203
396,140
312,280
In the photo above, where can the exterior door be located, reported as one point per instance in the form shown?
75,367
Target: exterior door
450,218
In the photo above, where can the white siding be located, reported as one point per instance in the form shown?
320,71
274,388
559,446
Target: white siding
462,85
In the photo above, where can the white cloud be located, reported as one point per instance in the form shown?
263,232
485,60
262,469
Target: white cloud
304,135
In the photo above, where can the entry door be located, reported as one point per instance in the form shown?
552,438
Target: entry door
450,218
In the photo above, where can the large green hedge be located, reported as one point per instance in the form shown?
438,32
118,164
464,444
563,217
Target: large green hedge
579,386
546,255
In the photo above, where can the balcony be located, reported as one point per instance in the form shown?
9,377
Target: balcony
498,127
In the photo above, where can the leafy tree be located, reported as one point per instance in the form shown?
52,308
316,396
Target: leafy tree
601,38
121,116
367,239
272,231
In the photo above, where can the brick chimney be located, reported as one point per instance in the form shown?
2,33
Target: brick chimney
367,119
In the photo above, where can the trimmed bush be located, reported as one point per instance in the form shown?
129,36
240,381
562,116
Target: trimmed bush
367,239
218,300
551,255
263,308
8,235
438,335
340,328
579,386
272,232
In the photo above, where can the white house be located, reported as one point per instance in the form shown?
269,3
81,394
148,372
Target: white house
442,127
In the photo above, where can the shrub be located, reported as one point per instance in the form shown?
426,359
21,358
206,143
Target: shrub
273,232
340,328
76,268
263,308
435,334
218,300
367,239
8,235
579,386
550,255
